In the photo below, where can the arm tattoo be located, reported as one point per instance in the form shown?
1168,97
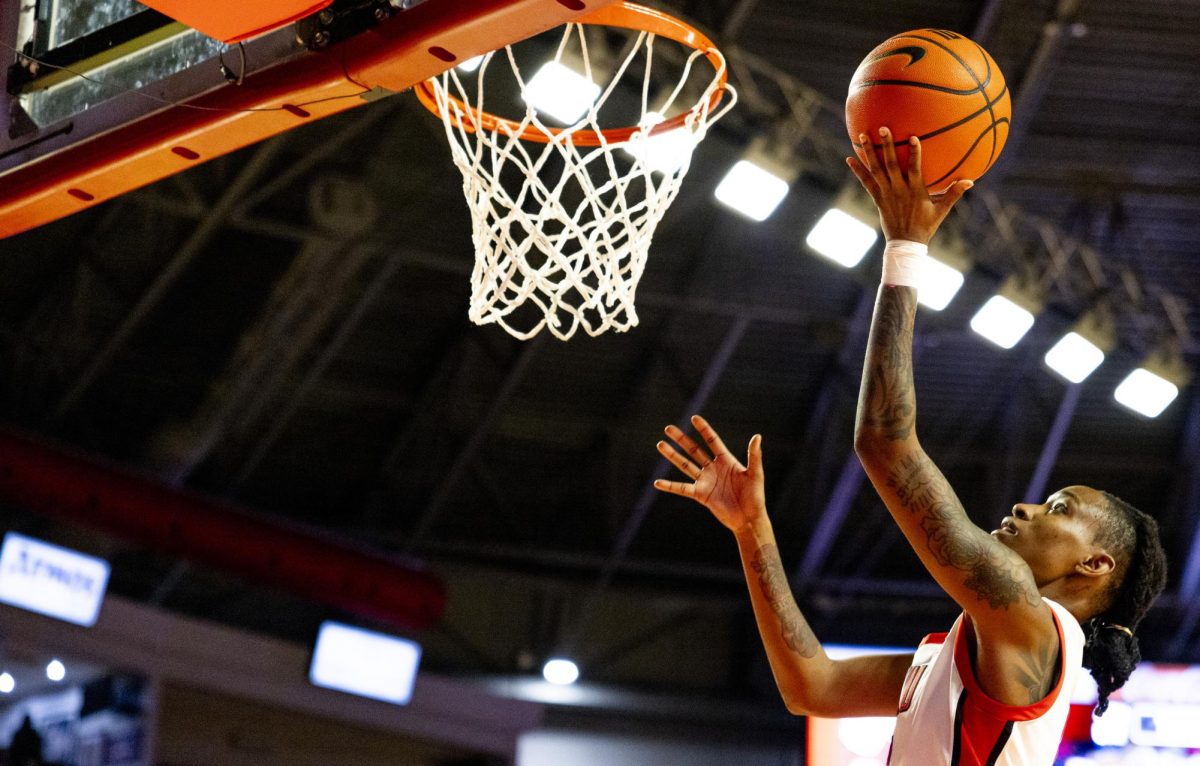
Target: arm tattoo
887,407
1036,670
887,403
773,583
953,540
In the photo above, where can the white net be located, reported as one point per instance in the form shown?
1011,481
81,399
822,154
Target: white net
562,229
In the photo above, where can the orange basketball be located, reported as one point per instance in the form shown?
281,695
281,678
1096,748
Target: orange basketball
941,87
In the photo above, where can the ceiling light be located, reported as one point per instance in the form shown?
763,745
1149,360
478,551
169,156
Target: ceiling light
664,152
561,672
1074,357
7,683
1078,353
56,671
471,65
846,232
841,238
1002,322
363,662
561,92
759,181
1155,384
1007,316
943,275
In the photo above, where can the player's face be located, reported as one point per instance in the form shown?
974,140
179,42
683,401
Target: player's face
1055,535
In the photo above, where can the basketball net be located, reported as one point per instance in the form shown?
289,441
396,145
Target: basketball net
562,218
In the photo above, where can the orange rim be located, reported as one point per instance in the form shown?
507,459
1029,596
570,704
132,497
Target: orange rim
624,15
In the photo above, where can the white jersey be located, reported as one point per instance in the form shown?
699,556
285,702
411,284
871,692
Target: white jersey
945,719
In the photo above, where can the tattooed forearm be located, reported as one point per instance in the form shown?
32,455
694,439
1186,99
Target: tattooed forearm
951,538
887,404
1036,669
774,585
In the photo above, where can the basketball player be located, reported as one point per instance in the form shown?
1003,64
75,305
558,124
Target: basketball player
1060,585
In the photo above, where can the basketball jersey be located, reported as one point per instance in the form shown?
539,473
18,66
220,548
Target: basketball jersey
945,719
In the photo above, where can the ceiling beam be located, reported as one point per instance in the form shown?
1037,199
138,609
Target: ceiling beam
1036,80
432,392
737,18
294,318
795,316
835,382
1189,498
641,508
212,222
452,480
845,490
262,446
1036,489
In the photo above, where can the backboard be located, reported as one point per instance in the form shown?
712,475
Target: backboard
105,96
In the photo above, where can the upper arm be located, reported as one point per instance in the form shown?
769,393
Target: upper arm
861,686
991,582
1017,648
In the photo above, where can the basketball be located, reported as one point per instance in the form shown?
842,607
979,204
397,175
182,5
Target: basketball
941,87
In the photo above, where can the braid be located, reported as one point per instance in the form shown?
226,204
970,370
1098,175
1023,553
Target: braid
1111,651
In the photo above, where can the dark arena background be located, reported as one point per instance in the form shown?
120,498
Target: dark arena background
249,396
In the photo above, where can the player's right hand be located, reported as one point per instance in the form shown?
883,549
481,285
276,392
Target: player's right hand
906,210
731,491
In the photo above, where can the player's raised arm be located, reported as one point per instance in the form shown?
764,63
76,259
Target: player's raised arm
808,680
992,583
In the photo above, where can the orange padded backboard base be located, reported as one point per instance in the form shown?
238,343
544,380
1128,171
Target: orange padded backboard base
411,47
233,20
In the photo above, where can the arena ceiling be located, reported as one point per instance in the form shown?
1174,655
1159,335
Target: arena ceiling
222,333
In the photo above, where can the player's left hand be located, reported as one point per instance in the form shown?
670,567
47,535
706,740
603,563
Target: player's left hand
906,209
731,491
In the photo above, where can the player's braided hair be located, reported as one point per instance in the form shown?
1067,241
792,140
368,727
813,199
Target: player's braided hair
1111,651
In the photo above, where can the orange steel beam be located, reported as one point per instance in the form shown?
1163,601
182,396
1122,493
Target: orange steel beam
398,53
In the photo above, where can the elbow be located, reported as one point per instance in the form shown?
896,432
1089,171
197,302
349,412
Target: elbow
802,695
795,705
869,444
876,446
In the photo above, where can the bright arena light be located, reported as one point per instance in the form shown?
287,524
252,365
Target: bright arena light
663,152
471,65
1074,357
7,683
841,237
56,671
1146,393
1002,322
561,93
752,190
561,672
939,285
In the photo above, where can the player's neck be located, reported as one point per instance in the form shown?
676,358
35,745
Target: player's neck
1076,597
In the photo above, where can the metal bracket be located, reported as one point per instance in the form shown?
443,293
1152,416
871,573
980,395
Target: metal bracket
341,21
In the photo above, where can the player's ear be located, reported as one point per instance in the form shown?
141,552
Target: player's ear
1097,564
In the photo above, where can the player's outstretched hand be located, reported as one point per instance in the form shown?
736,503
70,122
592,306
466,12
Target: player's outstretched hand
731,491
906,209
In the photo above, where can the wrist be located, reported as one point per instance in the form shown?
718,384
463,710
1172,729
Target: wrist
755,527
904,263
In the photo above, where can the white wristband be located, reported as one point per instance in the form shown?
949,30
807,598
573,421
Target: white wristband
904,263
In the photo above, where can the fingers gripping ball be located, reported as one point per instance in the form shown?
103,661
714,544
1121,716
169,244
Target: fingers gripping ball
941,87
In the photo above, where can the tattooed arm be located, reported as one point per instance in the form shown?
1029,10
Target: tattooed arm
809,682
1017,642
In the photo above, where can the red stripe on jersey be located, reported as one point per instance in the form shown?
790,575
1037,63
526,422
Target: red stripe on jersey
980,737
995,708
